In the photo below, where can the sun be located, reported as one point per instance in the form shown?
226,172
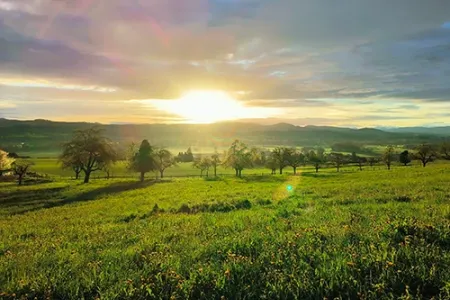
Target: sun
208,106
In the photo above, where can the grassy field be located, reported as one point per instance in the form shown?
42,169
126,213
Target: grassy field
51,167
374,234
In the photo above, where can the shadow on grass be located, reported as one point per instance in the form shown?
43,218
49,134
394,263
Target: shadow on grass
20,202
264,178
320,175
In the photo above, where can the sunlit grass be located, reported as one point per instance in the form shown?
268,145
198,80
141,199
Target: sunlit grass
372,234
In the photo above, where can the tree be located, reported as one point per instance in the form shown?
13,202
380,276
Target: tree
163,160
71,159
281,156
405,158
143,160
444,150
238,157
20,169
360,160
13,155
337,159
5,162
317,158
388,156
373,161
425,153
203,164
91,149
186,156
271,164
295,159
215,162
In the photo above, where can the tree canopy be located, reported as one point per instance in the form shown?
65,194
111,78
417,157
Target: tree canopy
90,150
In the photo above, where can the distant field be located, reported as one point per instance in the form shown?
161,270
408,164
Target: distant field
374,234
50,166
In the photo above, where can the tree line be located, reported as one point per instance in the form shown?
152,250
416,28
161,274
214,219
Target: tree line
89,151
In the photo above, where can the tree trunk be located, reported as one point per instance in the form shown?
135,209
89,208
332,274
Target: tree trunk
20,179
389,166
424,164
215,171
161,173
317,169
337,168
240,173
87,176
142,176
237,172
281,170
295,170
360,167
77,175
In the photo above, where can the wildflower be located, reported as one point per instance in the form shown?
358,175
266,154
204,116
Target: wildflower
351,264
228,273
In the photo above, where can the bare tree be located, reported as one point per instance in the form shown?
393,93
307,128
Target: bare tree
425,153
20,169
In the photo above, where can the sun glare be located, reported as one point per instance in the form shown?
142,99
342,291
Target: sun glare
209,106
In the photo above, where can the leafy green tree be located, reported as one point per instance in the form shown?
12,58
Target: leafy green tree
143,160
388,156
425,153
238,157
405,158
317,158
91,149
163,159
21,168
295,159
271,164
5,162
203,164
281,156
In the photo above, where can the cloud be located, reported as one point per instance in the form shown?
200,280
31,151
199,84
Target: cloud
296,54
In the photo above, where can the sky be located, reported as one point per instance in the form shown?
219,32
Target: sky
359,63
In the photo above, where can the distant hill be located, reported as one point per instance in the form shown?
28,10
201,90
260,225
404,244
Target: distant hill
444,130
47,136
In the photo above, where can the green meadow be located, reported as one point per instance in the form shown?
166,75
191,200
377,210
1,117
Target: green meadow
371,234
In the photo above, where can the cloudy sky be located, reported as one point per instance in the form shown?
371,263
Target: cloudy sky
321,62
